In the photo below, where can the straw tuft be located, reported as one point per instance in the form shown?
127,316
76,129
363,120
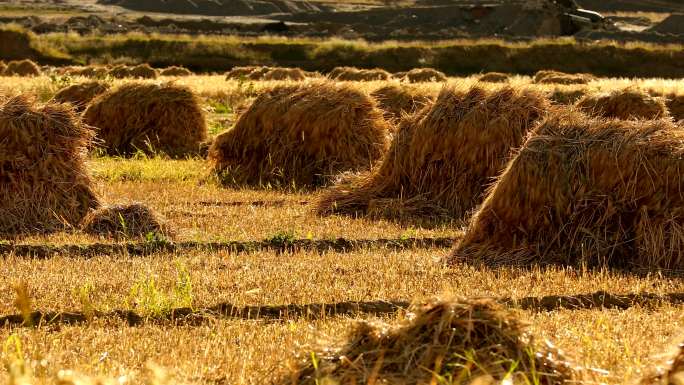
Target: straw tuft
125,221
463,340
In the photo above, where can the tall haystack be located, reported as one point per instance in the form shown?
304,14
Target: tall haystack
443,157
143,71
22,68
424,75
671,372
556,77
301,136
125,221
494,77
628,103
586,191
79,95
175,71
398,99
165,118
361,75
294,74
44,183
238,73
464,340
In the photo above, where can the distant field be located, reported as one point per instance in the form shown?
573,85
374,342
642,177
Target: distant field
149,316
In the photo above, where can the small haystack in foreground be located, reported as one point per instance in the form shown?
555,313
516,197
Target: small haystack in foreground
359,75
294,74
424,75
80,95
556,77
398,99
443,157
671,372
494,77
125,221
44,183
22,68
463,340
628,103
586,191
304,135
153,118
175,71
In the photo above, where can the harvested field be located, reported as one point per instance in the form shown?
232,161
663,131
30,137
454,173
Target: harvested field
579,193
151,118
443,157
253,287
301,136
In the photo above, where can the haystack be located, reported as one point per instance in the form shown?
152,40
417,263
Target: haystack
125,221
175,71
44,183
567,95
153,118
675,105
628,103
424,75
120,71
294,74
463,340
586,191
3,67
556,77
79,95
22,68
258,73
443,157
671,372
494,77
88,72
238,73
362,75
397,100
143,71
301,136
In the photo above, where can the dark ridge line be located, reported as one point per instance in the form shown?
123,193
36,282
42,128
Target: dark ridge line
279,313
278,245
260,203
